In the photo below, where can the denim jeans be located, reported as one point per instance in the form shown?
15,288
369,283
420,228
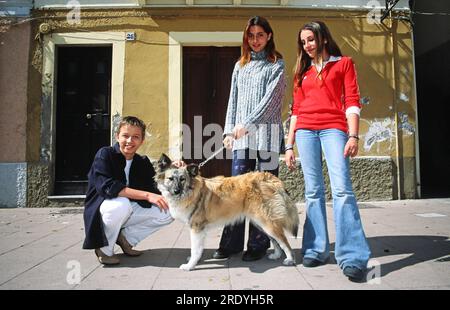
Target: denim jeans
233,235
351,247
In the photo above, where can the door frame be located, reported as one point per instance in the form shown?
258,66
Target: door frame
48,112
175,88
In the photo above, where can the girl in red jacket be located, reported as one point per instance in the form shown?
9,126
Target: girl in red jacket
325,118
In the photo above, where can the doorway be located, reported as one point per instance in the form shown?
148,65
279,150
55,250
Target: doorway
433,95
83,113
433,98
207,74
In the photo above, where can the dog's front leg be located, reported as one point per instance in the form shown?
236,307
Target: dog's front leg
197,241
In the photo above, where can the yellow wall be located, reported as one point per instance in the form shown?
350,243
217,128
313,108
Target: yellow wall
384,63
14,49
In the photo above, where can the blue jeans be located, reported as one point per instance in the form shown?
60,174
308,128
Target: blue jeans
233,236
351,247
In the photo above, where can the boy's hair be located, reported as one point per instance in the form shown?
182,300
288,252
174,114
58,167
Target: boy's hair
132,121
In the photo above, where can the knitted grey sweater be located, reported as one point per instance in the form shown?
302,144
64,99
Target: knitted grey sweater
255,101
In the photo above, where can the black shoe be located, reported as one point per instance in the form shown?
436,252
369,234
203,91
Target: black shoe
354,274
252,255
311,262
221,254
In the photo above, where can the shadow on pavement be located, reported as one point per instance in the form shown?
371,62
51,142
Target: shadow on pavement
420,247
173,258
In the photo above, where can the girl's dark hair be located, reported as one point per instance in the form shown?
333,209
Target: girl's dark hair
132,121
323,39
272,54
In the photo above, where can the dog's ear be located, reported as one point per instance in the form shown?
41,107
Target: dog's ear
192,169
164,162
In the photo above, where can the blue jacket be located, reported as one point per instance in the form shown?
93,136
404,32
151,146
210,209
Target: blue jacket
106,179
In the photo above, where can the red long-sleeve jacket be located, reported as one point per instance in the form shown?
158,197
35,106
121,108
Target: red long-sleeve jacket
322,103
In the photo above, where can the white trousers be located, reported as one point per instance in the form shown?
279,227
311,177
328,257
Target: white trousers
136,222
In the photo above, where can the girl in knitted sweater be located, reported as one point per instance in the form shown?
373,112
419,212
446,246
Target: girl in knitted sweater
253,127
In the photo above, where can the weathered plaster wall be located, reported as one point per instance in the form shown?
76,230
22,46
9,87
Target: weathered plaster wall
382,54
372,179
13,180
145,87
38,186
14,49
369,45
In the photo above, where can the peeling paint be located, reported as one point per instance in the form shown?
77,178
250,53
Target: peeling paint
403,97
148,131
364,100
21,185
46,132
37,58
379,131
404,124
45,155
13,185
115,125
5,24
47,87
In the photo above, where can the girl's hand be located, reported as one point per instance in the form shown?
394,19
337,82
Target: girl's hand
351,147
239,131
289,158
228,142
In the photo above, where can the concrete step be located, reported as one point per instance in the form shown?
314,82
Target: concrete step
67,201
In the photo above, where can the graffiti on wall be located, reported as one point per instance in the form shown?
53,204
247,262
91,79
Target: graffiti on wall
379,131
404,125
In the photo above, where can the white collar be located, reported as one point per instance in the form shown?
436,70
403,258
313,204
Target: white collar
330,59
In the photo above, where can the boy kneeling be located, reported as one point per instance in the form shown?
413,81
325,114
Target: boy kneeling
123,204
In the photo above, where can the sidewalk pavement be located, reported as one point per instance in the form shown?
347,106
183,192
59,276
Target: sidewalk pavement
41,249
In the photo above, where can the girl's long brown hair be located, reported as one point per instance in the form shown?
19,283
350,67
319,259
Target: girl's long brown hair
321,35
272,54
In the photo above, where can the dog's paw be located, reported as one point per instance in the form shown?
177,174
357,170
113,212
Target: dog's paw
274,256
289,262
186,267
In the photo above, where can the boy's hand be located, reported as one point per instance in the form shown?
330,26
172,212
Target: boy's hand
158,200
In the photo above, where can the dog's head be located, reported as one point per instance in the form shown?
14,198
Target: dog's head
175,182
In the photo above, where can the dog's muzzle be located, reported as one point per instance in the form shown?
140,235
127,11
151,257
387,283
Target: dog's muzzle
177,190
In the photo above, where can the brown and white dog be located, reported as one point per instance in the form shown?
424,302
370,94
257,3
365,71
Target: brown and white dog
204,203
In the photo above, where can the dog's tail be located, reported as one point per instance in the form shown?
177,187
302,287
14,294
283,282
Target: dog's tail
292,220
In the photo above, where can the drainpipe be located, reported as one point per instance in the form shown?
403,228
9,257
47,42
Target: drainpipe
416,133
395,105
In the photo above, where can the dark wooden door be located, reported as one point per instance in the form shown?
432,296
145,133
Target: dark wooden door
82,113
206,86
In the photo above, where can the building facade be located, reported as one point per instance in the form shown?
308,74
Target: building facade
71,69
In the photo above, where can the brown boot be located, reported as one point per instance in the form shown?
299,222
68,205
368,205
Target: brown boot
126,247
105,259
